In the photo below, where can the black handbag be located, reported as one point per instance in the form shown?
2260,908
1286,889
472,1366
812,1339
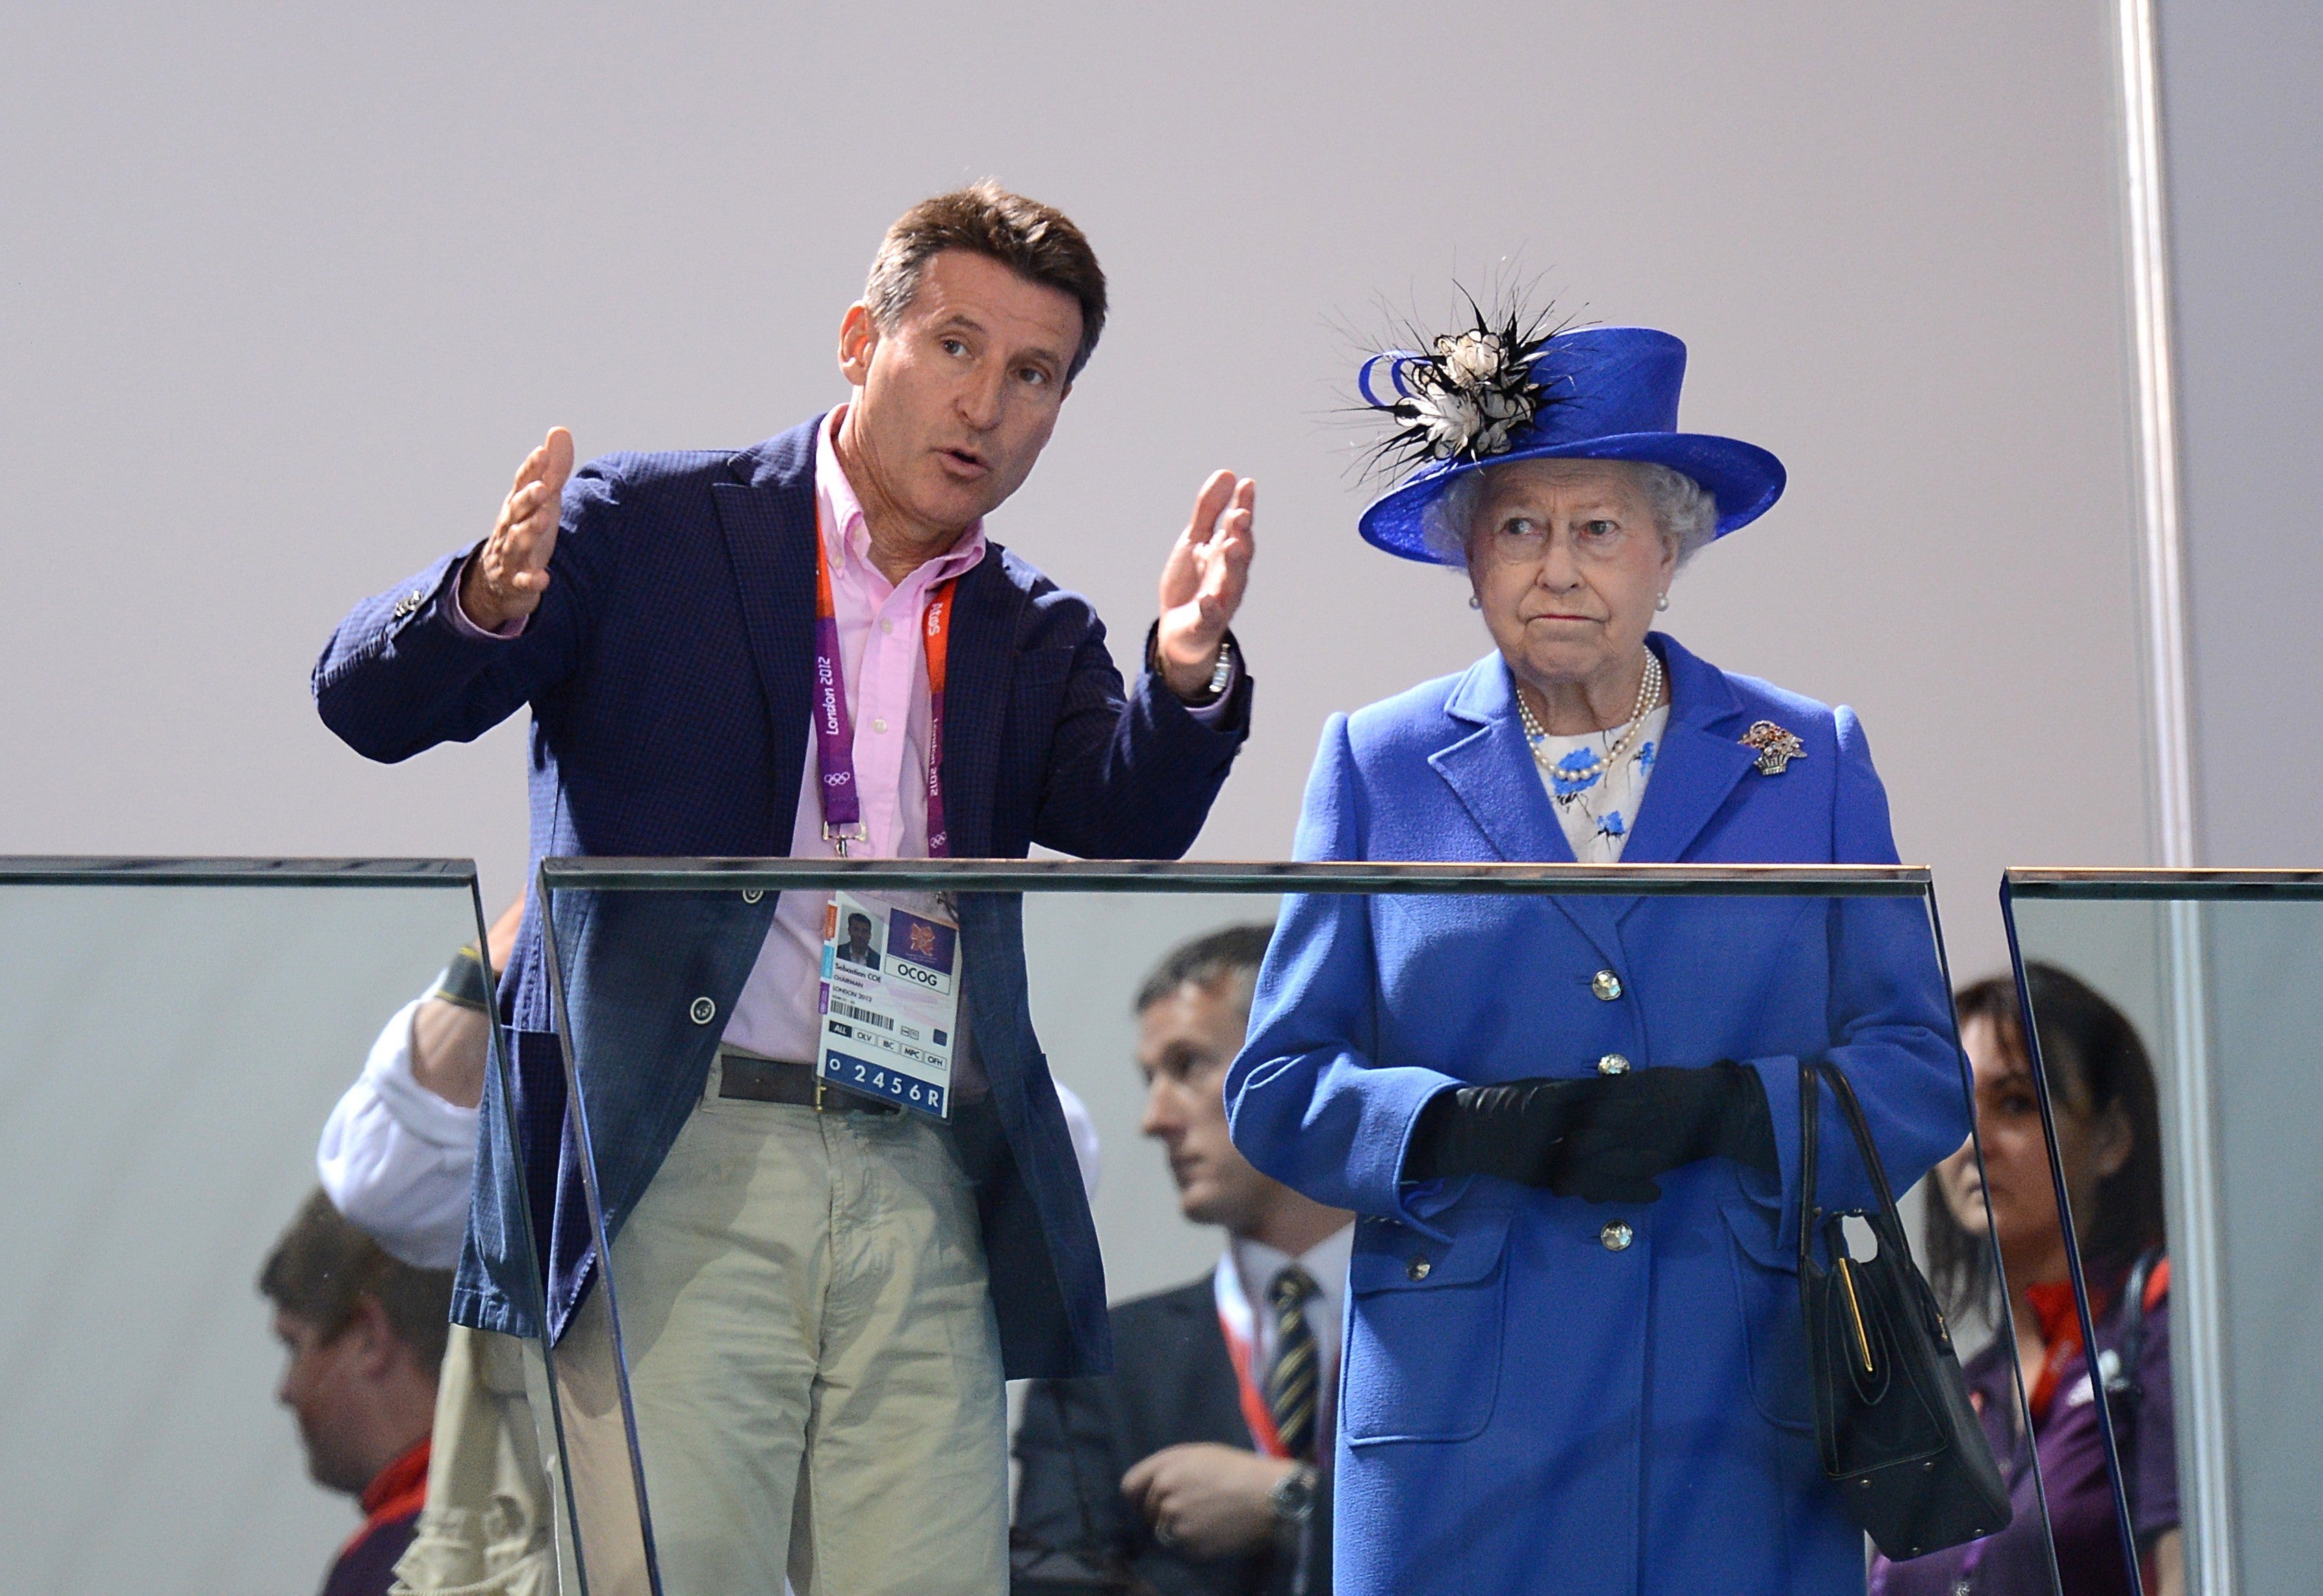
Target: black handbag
1893,1419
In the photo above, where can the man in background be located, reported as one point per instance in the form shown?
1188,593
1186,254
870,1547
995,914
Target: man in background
1203,1464
364,1333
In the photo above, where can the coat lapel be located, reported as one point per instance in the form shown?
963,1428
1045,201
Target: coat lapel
1491,769
768,522
975,700
1701,759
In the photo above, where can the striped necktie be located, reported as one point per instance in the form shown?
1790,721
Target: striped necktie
1292,1379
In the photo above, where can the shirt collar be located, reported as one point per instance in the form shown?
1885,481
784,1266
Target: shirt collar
1325,1261
846,536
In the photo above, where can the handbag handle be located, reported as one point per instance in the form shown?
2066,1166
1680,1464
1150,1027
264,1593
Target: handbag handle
1813,1074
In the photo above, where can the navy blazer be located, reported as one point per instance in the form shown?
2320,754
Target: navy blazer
1176,1384
669,671
1537,1393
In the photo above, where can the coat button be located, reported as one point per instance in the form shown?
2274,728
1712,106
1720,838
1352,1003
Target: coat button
703,1010
1617,1236
754,895
1613,1064
1418,1268
1606,985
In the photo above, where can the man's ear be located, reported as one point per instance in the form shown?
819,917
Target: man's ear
370,1339
859,337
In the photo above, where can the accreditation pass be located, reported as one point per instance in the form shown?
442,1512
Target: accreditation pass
890,999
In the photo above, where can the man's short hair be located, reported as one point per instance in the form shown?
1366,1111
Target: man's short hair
323,1267
1038,242
1231,953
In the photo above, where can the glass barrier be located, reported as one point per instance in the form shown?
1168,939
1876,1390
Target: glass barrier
2175,1018
840,1124
178,1034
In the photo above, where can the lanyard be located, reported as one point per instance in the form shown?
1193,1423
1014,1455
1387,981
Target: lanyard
834,730
1234,1321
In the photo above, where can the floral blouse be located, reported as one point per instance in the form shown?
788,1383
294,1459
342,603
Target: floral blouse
1599,809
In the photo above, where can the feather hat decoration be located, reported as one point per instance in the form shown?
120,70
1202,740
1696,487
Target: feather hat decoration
1517,386
1464,398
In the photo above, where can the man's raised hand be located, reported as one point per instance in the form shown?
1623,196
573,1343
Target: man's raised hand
1203,581
506,577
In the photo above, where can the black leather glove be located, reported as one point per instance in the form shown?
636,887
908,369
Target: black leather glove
1600,1138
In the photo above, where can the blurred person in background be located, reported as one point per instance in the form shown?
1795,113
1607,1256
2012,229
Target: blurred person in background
1202,1464
363,1334
2101,1095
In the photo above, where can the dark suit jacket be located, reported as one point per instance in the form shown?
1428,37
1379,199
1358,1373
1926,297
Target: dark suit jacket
669,671
1172,1382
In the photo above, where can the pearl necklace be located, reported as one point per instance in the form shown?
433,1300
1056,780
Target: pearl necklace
1649,691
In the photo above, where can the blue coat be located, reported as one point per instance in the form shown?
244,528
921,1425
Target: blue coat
1523,1406
669,671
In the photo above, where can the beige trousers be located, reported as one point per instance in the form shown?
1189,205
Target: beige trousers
488,1527
813,1361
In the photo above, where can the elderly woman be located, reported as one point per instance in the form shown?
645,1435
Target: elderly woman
1575,1361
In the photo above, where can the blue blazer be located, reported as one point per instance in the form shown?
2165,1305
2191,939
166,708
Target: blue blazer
668,671
1530,1399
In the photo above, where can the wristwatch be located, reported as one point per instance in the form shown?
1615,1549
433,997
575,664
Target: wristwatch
1222,672
1293,1496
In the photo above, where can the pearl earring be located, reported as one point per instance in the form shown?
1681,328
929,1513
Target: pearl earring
1475,601
1662,603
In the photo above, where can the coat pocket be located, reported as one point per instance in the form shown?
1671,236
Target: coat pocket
1424,1331
1774,1333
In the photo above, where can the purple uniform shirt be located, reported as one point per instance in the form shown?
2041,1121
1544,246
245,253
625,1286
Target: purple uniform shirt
2072,1477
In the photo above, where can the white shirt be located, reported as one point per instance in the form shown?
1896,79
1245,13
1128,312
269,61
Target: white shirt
1254,1266
1600,809
396,1160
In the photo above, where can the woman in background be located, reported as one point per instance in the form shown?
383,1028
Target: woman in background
2109,1146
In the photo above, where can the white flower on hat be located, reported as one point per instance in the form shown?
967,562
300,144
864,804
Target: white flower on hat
1472,359
1468,397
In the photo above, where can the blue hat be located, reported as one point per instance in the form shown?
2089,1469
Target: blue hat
1596,393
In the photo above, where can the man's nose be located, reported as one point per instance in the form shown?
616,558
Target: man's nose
1159,1121
980,398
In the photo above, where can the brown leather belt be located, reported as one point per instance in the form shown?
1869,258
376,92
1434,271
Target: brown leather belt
775,1080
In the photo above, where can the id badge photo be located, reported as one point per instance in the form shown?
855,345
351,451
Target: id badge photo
890,999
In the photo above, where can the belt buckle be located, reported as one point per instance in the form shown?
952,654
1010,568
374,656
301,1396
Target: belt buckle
821,1090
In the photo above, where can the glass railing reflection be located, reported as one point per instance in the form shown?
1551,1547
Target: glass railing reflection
814,1191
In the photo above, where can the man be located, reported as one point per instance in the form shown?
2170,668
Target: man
856,948
755,653
1218,1428
364,1335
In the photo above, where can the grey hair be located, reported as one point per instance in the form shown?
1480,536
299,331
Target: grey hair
1685,512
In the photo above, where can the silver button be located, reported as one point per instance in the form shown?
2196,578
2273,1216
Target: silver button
1418,1268
880,723
1613,1064
1606,985
753,895
1617,1236
703,1010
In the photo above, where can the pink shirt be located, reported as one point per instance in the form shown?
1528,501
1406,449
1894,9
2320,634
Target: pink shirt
885,670
886,674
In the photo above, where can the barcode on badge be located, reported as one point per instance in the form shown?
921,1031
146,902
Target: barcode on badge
865,1016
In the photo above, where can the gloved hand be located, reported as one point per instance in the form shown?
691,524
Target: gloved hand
1600,1138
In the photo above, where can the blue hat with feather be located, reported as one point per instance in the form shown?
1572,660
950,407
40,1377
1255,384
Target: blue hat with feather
1498,394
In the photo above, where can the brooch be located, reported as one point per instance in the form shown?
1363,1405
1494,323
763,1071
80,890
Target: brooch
1776,747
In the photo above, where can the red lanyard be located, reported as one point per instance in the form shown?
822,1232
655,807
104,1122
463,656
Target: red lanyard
1234,1323
834,731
